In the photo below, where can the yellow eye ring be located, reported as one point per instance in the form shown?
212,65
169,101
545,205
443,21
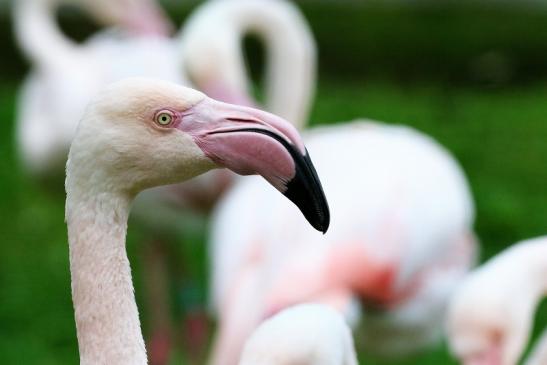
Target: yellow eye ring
164,117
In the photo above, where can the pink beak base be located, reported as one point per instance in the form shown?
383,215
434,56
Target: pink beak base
249,141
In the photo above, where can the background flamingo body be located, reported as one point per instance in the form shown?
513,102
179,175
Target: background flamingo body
403,210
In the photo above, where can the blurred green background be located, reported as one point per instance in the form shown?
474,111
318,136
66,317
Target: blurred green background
473,74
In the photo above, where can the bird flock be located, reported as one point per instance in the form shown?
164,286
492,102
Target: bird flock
378,239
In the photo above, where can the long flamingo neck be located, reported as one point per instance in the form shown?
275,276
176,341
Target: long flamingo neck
107,319
38,34
290,78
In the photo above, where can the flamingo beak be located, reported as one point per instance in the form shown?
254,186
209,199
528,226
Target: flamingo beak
249,141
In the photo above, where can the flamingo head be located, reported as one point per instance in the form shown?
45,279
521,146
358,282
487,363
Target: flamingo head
140,133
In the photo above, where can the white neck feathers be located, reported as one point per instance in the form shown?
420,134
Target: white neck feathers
107,318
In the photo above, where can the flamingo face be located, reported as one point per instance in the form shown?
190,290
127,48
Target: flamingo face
249,141
161,133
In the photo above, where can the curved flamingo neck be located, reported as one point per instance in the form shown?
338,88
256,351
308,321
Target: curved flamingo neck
220,70
290,52
107,319
289,79
38,33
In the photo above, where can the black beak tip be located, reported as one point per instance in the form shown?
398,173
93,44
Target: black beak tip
314,208
304,189
306,192
322,225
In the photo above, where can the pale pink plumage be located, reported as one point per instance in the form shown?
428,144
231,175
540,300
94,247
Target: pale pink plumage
66,75
401,235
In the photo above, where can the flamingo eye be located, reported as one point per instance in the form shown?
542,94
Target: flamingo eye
164,117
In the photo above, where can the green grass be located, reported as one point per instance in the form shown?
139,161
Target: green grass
499,136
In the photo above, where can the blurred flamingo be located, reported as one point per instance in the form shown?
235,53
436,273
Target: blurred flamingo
66,75
401,239
491,313
212,42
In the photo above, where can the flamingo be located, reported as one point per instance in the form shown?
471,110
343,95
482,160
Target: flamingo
140,133
306,334
491,313
400,241
67,75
